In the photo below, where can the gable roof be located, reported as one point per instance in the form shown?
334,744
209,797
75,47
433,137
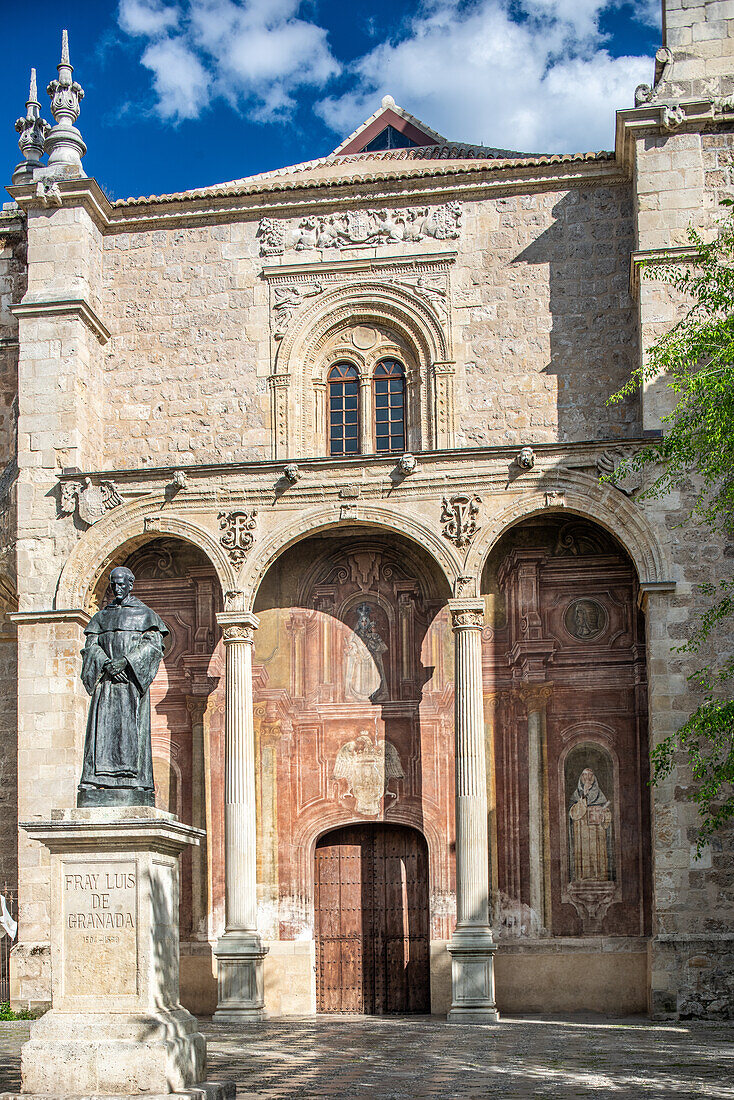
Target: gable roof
389,114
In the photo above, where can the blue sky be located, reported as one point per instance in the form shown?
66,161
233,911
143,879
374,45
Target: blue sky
184,93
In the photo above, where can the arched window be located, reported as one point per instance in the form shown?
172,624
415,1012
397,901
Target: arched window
343,410
389,386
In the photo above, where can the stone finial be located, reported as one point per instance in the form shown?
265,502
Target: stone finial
32,130
64,143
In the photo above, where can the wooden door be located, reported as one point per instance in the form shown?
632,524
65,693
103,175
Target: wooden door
371,895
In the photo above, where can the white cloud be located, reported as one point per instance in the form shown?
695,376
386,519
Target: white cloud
540,83
179,79
146,17
257,51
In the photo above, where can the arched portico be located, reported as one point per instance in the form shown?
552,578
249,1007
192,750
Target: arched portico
582,495
365,516
119,533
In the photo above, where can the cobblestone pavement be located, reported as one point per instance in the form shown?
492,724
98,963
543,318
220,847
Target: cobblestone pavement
426,1059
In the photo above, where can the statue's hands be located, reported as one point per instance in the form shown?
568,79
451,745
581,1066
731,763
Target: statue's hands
115,669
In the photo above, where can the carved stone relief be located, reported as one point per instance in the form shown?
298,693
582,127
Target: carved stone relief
360,229
459,519
366,767
90,501
238,535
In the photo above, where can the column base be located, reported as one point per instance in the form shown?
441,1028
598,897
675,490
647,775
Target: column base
472,977
241,986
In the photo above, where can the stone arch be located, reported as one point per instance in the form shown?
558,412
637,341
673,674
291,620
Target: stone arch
324,519
582,495
121,532
297,375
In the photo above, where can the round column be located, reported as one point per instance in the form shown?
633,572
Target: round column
472,947
239,951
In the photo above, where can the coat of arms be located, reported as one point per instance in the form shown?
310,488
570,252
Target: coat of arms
91,501
368,766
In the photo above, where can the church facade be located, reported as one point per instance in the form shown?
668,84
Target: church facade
346,423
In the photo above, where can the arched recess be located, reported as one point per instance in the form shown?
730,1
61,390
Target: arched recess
298,378
582,495
324,519
116,536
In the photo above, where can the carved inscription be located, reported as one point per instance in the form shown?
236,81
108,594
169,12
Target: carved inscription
100,928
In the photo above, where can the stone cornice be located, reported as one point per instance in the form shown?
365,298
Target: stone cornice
657,256
287,198
64,615
667,117
352,467
362,266
56,307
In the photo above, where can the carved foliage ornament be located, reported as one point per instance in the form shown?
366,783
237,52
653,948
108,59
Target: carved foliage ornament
467,618
90,501
459,519
238,537
360,228
238,632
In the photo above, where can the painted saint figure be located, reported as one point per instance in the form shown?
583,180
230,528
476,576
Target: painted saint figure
365,672
590,832
124,647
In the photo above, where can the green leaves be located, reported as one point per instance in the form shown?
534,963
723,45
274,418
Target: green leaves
696,360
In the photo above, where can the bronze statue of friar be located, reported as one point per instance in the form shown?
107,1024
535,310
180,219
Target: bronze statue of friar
124,646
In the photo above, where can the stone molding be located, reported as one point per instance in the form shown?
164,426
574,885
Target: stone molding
274,197
62,615
98,547
664,117
583,496
238,626
59,307
314,505
301,324
466,613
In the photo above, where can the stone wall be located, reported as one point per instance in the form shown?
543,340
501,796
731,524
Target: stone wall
553,332
12,287
543,321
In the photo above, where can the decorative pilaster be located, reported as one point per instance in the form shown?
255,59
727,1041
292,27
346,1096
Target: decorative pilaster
472,947
196,706
239,951
32,130
536,697
64,143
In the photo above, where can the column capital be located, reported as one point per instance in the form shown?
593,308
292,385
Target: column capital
238,626
466,613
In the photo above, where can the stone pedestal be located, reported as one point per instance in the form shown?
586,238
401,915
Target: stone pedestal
116,1026
472,947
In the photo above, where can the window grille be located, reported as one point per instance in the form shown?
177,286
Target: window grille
343,409
389,387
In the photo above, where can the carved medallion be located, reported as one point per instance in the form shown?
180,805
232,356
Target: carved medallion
364,337
238,537
459,519
585,619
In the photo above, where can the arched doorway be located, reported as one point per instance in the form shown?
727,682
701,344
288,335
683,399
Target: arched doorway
372,921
